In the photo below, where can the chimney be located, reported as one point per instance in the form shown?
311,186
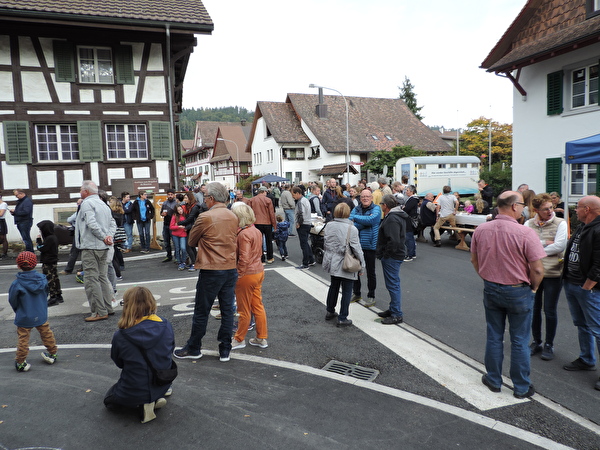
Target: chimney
321,109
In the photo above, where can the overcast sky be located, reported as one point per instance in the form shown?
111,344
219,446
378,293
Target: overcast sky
262,50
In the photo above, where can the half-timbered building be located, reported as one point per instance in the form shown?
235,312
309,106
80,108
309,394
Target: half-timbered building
91,90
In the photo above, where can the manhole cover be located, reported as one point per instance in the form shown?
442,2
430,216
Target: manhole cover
351,370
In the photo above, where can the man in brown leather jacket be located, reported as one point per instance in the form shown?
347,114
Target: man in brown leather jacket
265,219
214,233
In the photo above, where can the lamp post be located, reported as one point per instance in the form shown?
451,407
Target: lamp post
490,147
312,86
238,158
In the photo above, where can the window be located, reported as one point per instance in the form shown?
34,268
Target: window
388,137
57,142
293,153
584,86
126,141
583,179
95,65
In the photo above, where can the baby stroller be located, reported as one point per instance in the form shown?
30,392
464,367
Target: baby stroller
317,241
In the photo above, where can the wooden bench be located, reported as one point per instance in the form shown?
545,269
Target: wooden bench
462,234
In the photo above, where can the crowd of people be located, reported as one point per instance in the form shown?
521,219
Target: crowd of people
523,254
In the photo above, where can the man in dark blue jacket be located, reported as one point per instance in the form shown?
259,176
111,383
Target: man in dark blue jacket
391,253
366,217
23,216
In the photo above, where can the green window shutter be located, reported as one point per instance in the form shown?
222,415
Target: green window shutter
160,140
553,175
64,61
17,142
89,134
124,64
555,93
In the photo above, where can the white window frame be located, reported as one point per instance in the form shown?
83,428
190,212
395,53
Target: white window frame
588,89
64,141
582,177
92,74
126,146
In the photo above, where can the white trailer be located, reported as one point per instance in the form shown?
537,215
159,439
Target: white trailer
431,173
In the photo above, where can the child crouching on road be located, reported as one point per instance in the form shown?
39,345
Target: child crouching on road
28,296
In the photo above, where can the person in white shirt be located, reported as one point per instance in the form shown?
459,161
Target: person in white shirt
446,210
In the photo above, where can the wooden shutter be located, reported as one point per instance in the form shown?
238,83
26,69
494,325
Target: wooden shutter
124,64
554,175
17,142
160,140
89,134
555,93
64,61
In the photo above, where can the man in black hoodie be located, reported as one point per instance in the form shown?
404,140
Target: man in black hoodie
47,245
390,251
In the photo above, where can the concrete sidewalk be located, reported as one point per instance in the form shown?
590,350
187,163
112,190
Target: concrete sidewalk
250,402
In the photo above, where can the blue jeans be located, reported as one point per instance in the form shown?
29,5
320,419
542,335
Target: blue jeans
180,244
547,296
411,245
212,284
307,254
144,231
24,228
515,303
282,246
585,312
289,216
391,276
129,232
332,295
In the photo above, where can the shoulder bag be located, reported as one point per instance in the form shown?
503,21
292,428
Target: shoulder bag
351,263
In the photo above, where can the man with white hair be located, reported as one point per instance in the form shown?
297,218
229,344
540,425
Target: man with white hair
94,231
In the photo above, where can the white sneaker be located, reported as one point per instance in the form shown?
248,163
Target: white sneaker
262,343
237,344
370,301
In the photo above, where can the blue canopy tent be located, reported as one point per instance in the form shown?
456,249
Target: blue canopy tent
583,151
269,179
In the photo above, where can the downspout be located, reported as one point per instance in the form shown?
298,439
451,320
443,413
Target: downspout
171,117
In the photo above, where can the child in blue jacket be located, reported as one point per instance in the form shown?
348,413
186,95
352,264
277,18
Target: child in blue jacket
28,296
281,236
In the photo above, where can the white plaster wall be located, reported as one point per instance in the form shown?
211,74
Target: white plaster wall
73,178
141,172
115,174
154,90
48,51
27,53
156,58
4,50
6,87
34,87
15,176
162,171
137,49
130,91
46,179
537,136
108,96
86,95
63,90
95,172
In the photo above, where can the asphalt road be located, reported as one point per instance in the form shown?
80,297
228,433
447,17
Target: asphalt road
442,308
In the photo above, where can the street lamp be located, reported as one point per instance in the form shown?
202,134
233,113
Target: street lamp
312,86
238,158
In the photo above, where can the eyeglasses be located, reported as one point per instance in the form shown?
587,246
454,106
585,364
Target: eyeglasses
520,203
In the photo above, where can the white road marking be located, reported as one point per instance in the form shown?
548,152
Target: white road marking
462,414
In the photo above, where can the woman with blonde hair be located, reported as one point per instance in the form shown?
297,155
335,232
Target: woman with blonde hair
251,274
337,232
480,206
142,338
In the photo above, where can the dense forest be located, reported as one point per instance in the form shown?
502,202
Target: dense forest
189,117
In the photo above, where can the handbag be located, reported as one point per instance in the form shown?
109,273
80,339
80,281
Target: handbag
414,222
160,377
351,263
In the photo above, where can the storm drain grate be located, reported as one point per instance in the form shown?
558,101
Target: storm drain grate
351,370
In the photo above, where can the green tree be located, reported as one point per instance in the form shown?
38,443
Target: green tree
475,141
499,178
189,117
410,98
381,158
